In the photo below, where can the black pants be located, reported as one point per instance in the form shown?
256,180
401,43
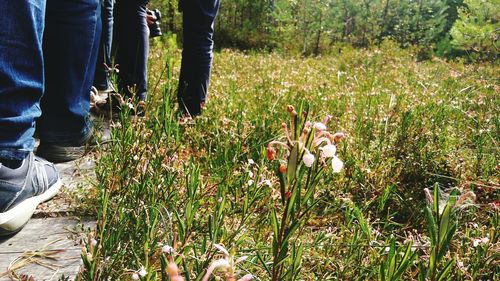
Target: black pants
198,29
132,46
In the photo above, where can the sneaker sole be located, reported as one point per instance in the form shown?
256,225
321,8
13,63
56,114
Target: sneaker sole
14,219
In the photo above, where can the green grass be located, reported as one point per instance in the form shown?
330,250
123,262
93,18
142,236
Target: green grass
409,126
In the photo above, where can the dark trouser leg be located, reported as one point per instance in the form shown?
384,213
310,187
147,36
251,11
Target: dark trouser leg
21,75
70,45
133,48
198,28
101,79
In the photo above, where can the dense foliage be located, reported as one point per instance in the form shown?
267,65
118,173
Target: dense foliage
319,26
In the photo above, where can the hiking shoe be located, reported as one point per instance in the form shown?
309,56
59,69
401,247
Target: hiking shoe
22,189
65,151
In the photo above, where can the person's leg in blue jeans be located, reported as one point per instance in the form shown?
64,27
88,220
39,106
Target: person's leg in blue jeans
101,78
70,44
26,180
132,48
198,28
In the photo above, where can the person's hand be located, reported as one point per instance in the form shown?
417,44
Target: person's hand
150,18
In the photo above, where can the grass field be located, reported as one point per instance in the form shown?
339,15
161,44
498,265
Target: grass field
169,194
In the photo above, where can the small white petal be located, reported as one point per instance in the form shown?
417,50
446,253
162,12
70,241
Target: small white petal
142,272
93,242
250,182
167,249
319,126
135,276
222,249
329,150
337,165
268,183
308,160
251,162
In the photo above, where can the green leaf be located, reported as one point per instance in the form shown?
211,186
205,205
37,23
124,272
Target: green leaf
292,164
446,270
431,225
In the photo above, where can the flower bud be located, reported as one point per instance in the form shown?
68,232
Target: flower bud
338,136
288,194
270,153
172,269
282,168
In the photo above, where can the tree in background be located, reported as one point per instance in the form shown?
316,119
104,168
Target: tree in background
477,28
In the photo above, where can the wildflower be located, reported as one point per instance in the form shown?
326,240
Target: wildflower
308,160
288,194
251,162
136,157
485,240
250,182
337,137
220,263
250,174
268,183
142,272
329,150
319,126
282,168
337,164
270,153
167,249
93,242
475,242
219,200
135,276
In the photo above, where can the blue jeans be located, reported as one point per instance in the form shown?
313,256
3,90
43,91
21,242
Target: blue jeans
60,67
132,44
101,78
198,28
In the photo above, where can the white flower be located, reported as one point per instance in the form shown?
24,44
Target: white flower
485,240
167,249
475,242
250,182
142,272
329,150
337,165
319,126
308,160
93,242
268,183
135,276
251,162
250,174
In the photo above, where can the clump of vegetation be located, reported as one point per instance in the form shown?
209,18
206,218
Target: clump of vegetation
201,200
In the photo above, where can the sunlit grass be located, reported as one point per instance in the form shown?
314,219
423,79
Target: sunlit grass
409,125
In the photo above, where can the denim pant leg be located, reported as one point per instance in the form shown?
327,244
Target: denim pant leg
101,78
21,75
133,47
198,29
70,45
